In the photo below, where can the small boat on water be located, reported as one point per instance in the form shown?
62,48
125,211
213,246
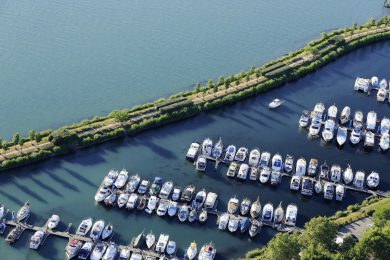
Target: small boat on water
332,112
233,224
150,240
231,172
358,119
141,203
324,171
369,140
233,205
254,157
193,215
152,204
373,180
340,192
335,173
124,253
312,168
371,120
84,227
342,133
255,208
230,153
97,229
133,183
85,250
176,193
318,111
385,126
304,119
98,251
374,81
52,222
265,174
207,147
123,198
171,247
211,200
275,103
111,252
243,171
107,231
111,198
143,187
264,159
276,177
23,212
384,142
254,173
166,190
37,239
241,154
223,221
188,193
72,248
218,149
162,243
244,224
328,190
201,163
291,215
383,84
199,200
307,186
202,217
328,132
110,178
381,95
191,251
2,211
2,226
288,163
279,215
356,135
183,213
132,202
315,127
172,208
245,206
345,115
268,213
295,182
277,162
254,228
358,181
348,175
300,168
318,187
193,151
362,84
122,179
139,240
156,186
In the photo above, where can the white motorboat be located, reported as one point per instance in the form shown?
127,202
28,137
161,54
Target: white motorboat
268,213
84,227
207,147
335,173
362,84
295,182
98,251
97,229
279,215
110,178
37,239
383,84
230,153
307,186
111,198
172,208
332,112
288,163
152,204
202,217
324,171
201,163
171,247
371,120
107,231
312,168
23,212
265,174
318,187
124,253
255,208
381,95
241,154
315,127
264,159
254,228
2,211
340,191
254,157
254,173
277,162
156,186
233,224
183,213
166,190
86,250
374,81
231,172
132,201
191,251
328,131
123,198
193,151
328,190
245,206
300,168
199,200
162,243
243,171
133,183
233,205
136,256
342,134
244,224
373,180
223,221
53,221
358,181
188,193
150,240
111,252
218,149
193,215
304,119
122,179
318,111
276,177
143,187
275,103
384,142
176,193
385,126
162,207
211,200
358,119
356,135
72,248
369,140
348,175
291,215
345,114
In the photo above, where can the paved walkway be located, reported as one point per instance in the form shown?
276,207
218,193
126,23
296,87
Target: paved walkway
356,228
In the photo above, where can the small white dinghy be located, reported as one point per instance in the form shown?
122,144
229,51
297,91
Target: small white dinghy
373,180
342,133
275,103
348,175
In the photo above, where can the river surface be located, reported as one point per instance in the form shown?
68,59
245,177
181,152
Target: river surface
77,59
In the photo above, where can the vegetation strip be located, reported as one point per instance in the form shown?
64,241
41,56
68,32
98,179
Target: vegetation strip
119,123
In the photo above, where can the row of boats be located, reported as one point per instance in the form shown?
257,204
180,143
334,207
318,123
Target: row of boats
359,128
365,85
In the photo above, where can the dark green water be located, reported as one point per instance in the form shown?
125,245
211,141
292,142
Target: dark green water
92,57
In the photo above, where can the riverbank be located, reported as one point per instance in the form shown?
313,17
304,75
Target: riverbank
38,146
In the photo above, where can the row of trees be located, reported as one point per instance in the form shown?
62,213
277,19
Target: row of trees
17,139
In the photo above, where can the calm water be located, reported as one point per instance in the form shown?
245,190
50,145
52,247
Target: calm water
67,185
63,61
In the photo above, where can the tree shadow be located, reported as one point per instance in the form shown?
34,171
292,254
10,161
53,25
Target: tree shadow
61,181
30,192
46,187
11,198
80,177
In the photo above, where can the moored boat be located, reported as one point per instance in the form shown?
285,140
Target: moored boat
332,112
384,142
122,199
385,126
193,151
171,247
121,179
340,192
348,175
358,181
355,135
133,183
254,228
362,84
124,253
156,186
188,193
199,200
233,224
345,115
341,137
191,251
268,213
172,208
328,131
324,171
107,231
162,243
241,154
307,186
207,147
150,240
152,204
255,208
218,149
176,193
111,252
279,215
312,168
183,213
84,227
98,251
291,215
374,81
97,229
276,177
369,140
371,120
223,221
318,187
381,95
358,119
211,200
288,163
277,162
110,178
132,201
166,190
233,205
304,119
328,190
243,171
315,127
335,173
231,172
245,206
52,223
275,103
72,248
264,159
295,182
139,240
318,111
202,217
23,212
254,173
300,168
37,239
85,250
265,174
201,163
244,224
373,180
143,187
230,153
254,157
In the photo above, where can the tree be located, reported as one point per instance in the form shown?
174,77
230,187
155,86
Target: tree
374,244
31,135
209,84
197,88
382,216
38,137
215,88
319,230
16,138
370,22
316,252
282,246
119,115
221,80
1,143
354,25
324,35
